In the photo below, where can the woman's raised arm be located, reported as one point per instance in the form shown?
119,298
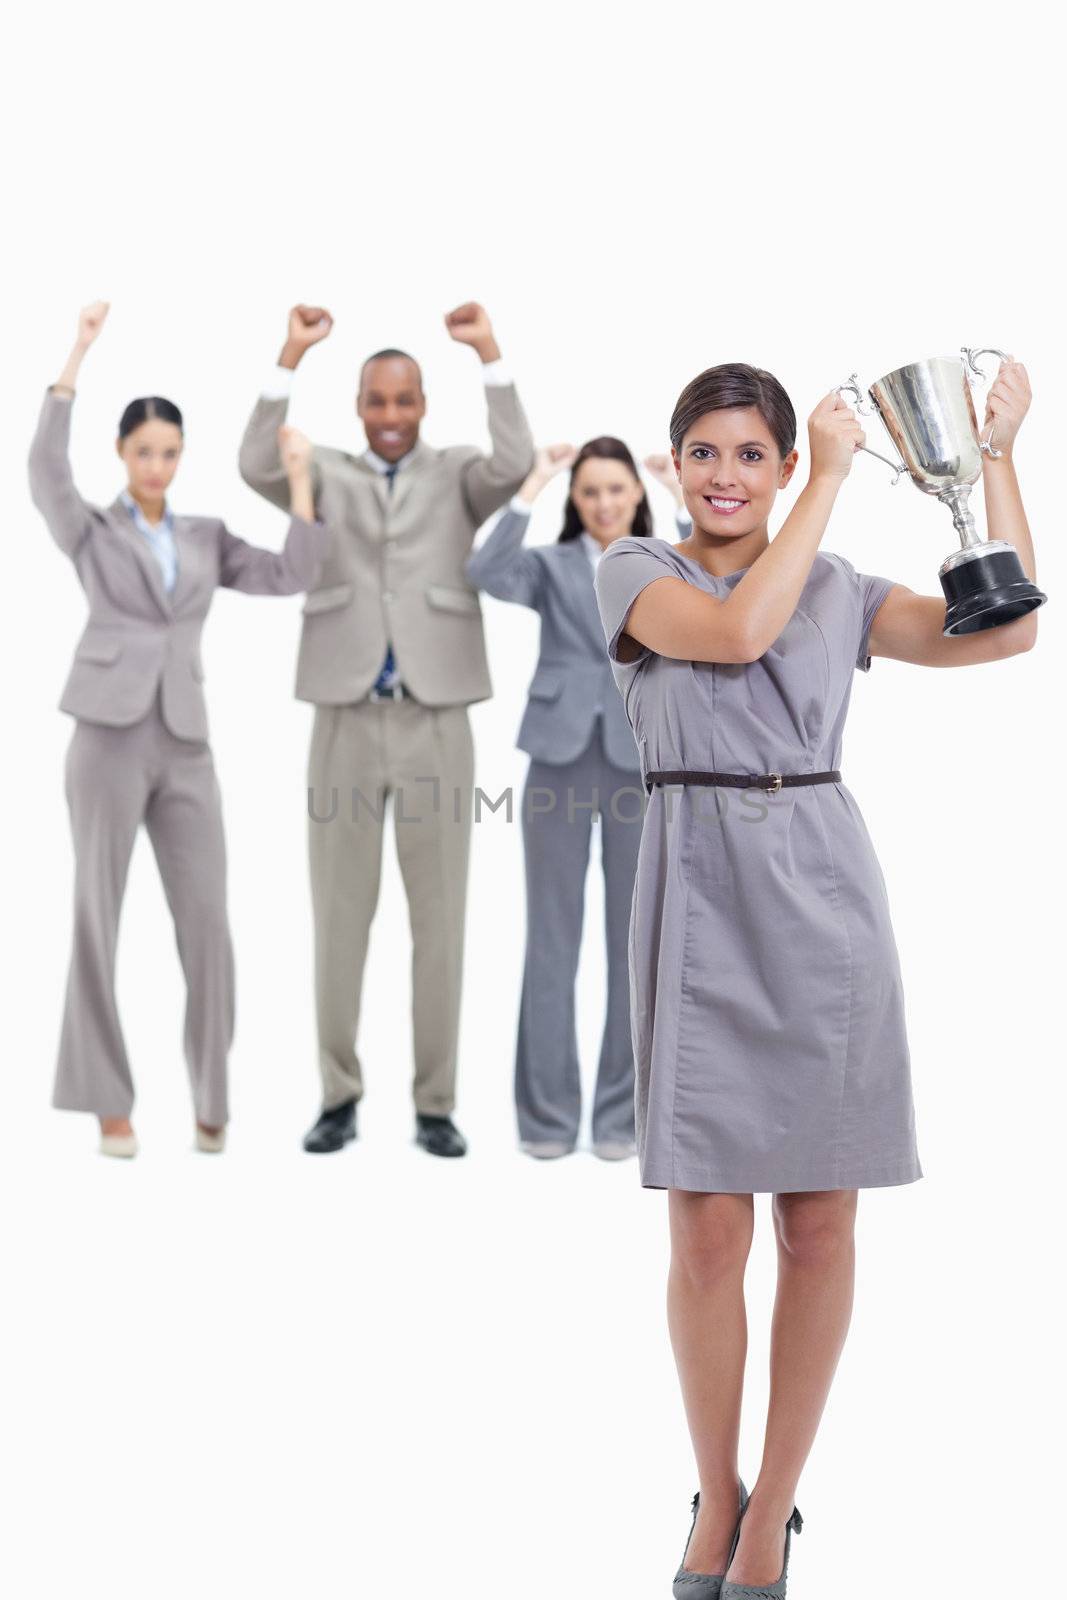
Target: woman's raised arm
90,321
51,483
296,566
674,619
500,565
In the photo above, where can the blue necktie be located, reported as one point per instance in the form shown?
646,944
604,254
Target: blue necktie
388,667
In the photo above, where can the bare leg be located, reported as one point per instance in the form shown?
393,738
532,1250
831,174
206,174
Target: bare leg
110,1126
711,1235
816,1270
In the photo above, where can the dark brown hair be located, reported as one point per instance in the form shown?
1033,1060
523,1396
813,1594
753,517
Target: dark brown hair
735,386
606,449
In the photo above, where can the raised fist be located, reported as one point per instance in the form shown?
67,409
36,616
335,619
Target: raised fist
469,324
91,319
307,325
552,458
295,448
662,469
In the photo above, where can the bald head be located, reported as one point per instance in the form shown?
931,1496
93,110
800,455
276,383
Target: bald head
390,402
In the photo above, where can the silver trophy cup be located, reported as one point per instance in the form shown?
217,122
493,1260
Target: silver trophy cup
928,411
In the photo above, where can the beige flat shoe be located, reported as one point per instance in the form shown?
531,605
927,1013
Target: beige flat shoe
123,1145
610,1150
210,1140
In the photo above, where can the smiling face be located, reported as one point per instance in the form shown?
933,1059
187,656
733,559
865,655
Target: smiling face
606,496
730,472
391,405
151,454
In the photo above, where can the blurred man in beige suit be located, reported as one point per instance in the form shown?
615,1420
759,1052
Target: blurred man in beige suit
391,655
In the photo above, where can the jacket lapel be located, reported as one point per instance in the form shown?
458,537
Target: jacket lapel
392,499
143,554
188,549
581,587
375,481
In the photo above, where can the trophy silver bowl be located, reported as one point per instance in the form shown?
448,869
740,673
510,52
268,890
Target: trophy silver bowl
928,411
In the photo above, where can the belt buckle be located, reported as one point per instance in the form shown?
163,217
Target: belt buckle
774,782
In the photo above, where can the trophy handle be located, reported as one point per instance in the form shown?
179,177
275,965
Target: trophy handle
852,386
970,364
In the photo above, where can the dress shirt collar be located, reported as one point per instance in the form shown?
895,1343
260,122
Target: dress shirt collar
141,521
382,466
593,549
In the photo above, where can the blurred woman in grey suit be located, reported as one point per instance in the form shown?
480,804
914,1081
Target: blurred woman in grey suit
139,752
583,761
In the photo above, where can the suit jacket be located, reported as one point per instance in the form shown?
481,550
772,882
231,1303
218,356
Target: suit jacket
573,672
140,639
394,570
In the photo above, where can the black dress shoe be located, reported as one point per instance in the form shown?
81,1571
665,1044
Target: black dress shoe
439,1135
334,1129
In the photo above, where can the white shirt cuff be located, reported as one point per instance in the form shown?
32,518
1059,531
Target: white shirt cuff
495,373
279,386
523,507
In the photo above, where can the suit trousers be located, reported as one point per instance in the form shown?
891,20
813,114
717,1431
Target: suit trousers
559,803
421,758
117,778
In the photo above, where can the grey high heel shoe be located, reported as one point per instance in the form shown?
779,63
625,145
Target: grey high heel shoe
705,1585
773,1591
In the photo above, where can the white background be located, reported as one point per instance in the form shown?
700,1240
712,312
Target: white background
266,1374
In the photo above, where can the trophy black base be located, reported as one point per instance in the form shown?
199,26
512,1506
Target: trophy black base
986,590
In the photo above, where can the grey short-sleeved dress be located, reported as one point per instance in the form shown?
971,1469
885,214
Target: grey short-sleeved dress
767,1010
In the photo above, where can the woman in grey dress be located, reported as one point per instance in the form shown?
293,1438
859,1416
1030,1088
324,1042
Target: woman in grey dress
767,1012
583,761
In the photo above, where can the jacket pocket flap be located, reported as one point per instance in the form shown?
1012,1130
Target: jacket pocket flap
446,597
545,685
103,651
327,599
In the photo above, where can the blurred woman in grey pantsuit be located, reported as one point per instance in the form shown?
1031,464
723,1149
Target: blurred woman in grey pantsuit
583,762
140,752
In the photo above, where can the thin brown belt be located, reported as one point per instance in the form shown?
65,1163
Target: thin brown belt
770,781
